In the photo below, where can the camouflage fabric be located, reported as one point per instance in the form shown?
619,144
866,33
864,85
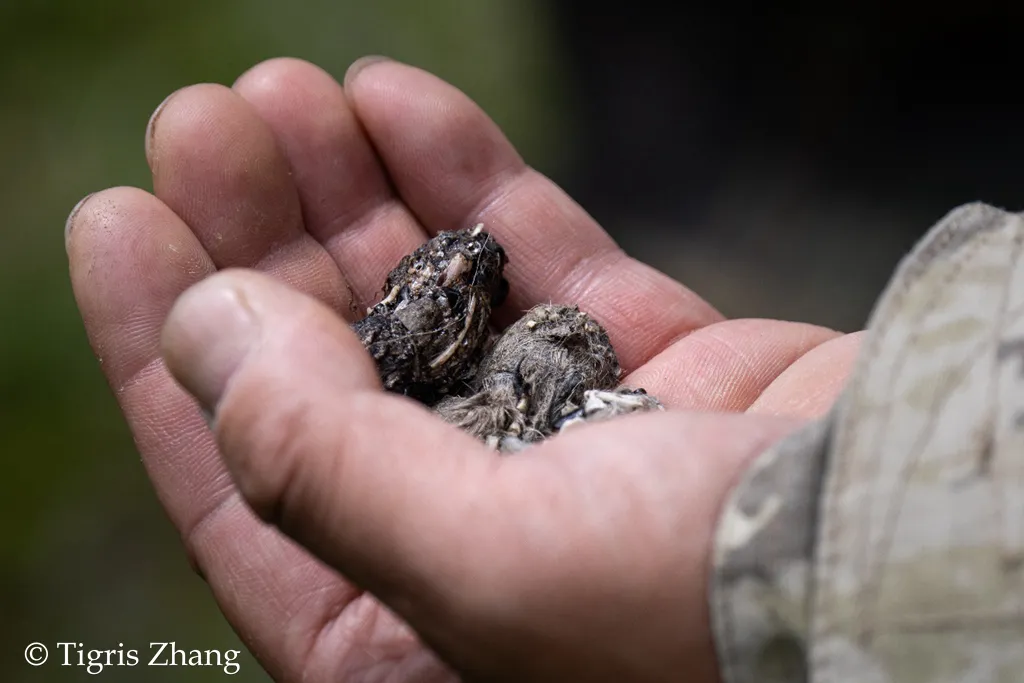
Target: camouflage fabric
885,543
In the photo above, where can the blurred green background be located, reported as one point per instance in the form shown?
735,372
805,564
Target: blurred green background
778,162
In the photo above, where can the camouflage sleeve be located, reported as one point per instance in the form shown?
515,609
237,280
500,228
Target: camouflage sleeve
885,543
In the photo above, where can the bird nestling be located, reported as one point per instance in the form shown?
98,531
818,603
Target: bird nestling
428,332
552,369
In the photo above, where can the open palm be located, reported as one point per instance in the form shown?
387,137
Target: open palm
583,559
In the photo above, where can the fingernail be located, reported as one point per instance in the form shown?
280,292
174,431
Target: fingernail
151,126
361,64
209,332
69,224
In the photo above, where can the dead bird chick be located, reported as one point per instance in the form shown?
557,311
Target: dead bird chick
428,333
550,369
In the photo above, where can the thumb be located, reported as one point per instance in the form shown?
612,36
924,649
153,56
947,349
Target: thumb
370,482
510,568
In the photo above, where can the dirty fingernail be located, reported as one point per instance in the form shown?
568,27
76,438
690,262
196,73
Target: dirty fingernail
151,126
209,332
69,224
361,64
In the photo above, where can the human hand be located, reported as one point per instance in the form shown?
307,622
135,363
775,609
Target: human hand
584,558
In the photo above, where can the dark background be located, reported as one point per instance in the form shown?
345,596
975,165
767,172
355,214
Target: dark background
778,160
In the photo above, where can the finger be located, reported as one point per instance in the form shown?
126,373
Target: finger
130,258
810,386
726,367
347,203
453,167
216,164
476,552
